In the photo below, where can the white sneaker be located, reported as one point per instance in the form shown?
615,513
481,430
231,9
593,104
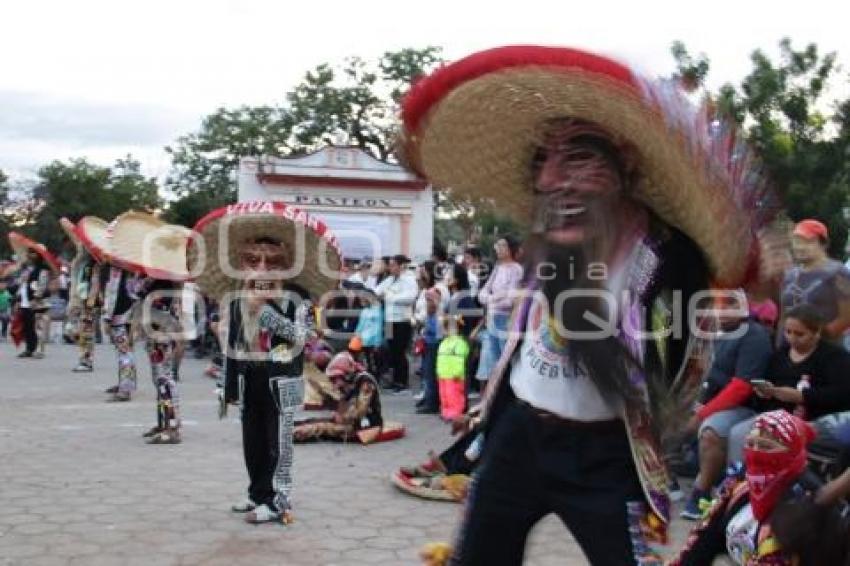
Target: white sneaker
262,514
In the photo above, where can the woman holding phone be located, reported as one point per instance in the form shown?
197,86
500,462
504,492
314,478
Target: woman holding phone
808,376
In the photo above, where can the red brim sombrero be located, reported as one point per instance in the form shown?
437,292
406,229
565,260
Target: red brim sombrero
142,243
21,244
70,230
93,233
474,126
214,253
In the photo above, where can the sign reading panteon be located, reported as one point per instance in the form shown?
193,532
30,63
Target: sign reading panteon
375,208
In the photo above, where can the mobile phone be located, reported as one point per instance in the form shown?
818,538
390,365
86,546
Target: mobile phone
761,383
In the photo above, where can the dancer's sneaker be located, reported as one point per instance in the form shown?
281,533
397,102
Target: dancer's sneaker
261,514
692,510
153,431
167,436
82,368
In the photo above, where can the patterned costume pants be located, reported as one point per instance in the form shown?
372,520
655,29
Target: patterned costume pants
268,414
85,336
161,356
126,359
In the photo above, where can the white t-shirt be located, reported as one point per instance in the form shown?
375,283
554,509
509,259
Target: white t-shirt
23,289
549,380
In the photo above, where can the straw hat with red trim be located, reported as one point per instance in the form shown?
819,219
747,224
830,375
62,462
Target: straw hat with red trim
21,245
92,232
226,230
476,124
142,243
70,230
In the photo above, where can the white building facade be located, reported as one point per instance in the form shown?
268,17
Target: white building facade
375,208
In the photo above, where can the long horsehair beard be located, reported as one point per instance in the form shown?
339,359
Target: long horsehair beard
605,360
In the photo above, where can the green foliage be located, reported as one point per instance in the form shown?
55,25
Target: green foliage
352,104
206,161
690,71
76,189
781,107
190,208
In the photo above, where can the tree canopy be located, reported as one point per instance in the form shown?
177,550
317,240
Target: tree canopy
75,189
800,134
355,103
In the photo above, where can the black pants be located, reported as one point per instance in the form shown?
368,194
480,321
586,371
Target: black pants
398,344
532,467
268,408
454,457
30,334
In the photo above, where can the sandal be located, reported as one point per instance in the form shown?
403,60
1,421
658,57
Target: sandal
261,514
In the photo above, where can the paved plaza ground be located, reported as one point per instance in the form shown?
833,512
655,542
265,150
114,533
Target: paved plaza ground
79,486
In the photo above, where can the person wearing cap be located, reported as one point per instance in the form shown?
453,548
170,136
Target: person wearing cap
398,291
632,209
265,263
817,280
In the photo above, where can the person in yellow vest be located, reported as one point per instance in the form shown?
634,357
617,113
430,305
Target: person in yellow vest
451,369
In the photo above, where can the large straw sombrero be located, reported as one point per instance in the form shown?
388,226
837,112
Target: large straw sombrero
93,234
21,244
142,243
474,126
214,253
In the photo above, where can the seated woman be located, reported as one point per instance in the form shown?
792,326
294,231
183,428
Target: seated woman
739,521
808,376
357,417
325,390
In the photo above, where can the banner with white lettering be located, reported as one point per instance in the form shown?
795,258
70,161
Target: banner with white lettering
361,235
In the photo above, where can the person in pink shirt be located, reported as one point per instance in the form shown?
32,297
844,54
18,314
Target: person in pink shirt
497,296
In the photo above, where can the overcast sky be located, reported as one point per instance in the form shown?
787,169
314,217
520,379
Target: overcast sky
102,78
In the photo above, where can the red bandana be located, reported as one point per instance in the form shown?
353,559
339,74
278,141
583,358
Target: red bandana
770,474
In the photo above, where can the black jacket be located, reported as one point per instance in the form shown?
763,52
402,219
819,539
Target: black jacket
285,355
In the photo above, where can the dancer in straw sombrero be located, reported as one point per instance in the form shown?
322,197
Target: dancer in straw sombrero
122,290
35,264
84,296
635,202
143,244
261,261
